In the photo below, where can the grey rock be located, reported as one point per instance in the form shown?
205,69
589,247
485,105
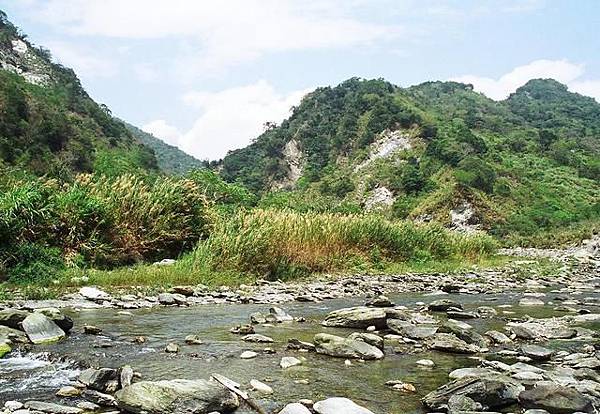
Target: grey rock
556,399
41,330
295,408
257,338
99,379
176,396
64,322
359,317
411,331
371,339
443,305
449,343
536,352
51,408
339,347
337,405
492,392
12,318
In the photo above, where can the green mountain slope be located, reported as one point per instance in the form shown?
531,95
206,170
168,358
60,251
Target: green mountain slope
170,159
436,151
48,123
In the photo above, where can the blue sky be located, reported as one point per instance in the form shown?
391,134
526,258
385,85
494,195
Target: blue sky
206,75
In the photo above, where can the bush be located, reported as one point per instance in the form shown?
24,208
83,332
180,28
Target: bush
477,173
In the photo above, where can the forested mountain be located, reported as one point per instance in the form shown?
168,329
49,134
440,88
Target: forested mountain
437,150
170,159
48,123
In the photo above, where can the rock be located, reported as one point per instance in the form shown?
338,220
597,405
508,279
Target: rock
64,322
492,392
126,376
339,405
88,406
257,338
279,315
288,362
68,391
462,315
339,347
99,398
176,396
462,403
470,372
371,339
99,379
261,387
443,305
411,331
93,293
193,340
425,363
463,331
242,329
13,405
498,337
248,355
528,301
449,343
295,408
51,408
380,302
358,317
12,318
172,299
182,290
257,318
536,352
12,335
556,399
297,345
91,330
41,330
172,348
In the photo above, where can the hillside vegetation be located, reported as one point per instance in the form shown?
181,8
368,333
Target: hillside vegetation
523,168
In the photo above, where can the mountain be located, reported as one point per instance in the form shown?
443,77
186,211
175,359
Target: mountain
48,123
435,151
171,159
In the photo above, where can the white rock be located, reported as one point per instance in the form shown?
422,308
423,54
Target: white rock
288,362
425,363
248,355
93,293
295,408
339,405
261,387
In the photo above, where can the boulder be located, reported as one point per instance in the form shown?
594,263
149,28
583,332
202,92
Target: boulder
411,331
12,318
64,322
101,379
449,343
339,347
498,337
41,330
339,405
176,396
359,317
490,391
288,362
536,352
295,408
380,302
443,305
258,339
556,399
279,315
371,339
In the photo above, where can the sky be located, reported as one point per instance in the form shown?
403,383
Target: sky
207,75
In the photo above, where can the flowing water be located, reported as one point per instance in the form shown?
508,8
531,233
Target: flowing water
31,375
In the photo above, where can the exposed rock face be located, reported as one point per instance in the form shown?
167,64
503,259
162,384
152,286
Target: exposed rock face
176,396
381,197
492,392
41,330
463,218
25,61
359,317
338,405
555,399
339,347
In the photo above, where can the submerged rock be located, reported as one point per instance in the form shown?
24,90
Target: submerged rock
339,405
41,330
358,317
176,396
339,347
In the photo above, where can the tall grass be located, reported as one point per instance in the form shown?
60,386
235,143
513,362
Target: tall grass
276,243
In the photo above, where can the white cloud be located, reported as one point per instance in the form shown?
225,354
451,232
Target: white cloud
161,129
221,33
145,72
229,119
84,64
560,70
